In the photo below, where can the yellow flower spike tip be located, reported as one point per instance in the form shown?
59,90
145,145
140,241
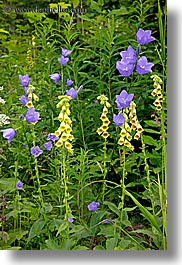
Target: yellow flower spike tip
68,112
99,131
60,117
105,134
108,105
105,110
29,104
64,137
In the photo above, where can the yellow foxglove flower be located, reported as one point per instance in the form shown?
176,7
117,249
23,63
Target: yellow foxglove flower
59,143
99,130
121,141
64,137
35,97
104,127
29,104
105,134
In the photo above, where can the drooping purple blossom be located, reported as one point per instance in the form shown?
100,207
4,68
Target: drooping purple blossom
24,100
107,221
137,50
55,77
26,90
36,151
144,36
69,82
63,60
118,119
128,56
72,93
24,80
143,66
93,206
9,134
70,220
52,137
65,52
32,115
123,100
19,185
21,117
124,69
48,145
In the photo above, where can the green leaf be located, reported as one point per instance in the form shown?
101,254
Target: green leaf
113,208
75,3
80,248
62,227
149,140
51,244
36,228
110,243
145,212
99,247
152,131
151,123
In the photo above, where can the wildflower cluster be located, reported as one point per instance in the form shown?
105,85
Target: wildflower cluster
27,100
130,58
3,118
157,92
105,121
65,127
127,119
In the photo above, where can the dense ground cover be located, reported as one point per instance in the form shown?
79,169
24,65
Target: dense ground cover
83,125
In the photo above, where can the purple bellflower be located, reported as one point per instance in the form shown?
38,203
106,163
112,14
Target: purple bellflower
55,77
72,93
124,69
93,206
124,99
143,66
128,56
9,134
24,80
70,220
52,137
144,36
24,100
36,151
118,119
32,115
65,52
19,185
63,60
69,82
48,145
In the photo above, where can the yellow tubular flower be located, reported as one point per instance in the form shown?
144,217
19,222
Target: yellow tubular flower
121,141
105,110
99,130
35,97
105,134
139,129
123,132
64,137
59,143
129,137
137,136
29,104
104,127
68,145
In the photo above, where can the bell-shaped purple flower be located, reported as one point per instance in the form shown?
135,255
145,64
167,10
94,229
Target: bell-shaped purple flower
9,134
48,146
118,119
65,52
143,66
24,100
69,82
36,151
32,115
124,68
19,185
52,137
128,56
144,36
70,220
93,206
63,60
24,80
55,77
124,99
72,93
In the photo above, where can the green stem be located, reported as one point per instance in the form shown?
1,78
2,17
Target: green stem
105,171
148,176
122,181
65,178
